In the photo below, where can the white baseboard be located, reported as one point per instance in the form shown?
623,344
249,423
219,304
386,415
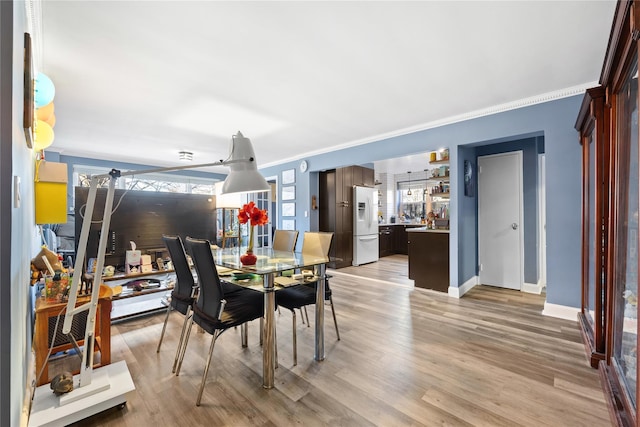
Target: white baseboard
560,311
462,289
531,288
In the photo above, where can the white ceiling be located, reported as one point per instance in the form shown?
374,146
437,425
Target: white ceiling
138,81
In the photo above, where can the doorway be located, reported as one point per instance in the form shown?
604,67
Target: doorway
500,220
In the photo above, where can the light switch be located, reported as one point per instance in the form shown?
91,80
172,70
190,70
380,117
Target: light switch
306,214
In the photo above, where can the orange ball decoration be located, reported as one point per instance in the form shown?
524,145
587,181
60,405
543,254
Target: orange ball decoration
45,113
52,120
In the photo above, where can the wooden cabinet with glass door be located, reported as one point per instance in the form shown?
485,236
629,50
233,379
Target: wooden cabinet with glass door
592,122
620,373
619,77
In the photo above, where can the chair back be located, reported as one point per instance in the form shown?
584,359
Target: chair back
211,294
316,243
185,283
285,240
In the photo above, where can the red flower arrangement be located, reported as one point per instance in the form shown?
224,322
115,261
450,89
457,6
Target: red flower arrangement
254,216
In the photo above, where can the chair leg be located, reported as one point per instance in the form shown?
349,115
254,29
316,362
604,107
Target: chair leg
306,314
184,347
187,318
295,339
164,328
333,311
206,368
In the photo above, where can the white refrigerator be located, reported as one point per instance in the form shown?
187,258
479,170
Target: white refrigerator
365,225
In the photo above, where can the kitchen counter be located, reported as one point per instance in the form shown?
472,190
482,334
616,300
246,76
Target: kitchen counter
426,230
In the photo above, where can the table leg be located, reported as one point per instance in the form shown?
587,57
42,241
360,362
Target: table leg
319,351
268,346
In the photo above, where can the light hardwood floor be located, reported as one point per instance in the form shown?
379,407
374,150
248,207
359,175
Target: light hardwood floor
407,357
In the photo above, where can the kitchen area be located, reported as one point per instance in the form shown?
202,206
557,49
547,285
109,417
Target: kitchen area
413,215
400,207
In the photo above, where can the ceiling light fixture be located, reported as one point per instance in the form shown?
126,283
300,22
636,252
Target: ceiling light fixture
186,156
409,190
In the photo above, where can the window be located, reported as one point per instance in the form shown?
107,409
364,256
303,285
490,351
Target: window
166,182
411,206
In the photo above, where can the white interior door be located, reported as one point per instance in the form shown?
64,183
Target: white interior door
500,235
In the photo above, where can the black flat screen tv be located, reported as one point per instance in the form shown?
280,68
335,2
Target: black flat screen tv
143,217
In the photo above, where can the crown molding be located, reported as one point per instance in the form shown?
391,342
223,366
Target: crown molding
500,108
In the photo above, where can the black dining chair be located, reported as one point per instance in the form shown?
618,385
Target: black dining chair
214,310
184,292
299,296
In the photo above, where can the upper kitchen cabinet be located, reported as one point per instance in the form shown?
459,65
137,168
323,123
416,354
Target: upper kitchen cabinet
363,176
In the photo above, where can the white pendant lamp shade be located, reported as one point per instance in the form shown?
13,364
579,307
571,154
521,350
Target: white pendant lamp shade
228,200
244,176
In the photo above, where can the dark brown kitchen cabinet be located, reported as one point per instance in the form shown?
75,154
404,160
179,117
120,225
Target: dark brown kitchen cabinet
386,244
336,209
363,176
401,238
429,259
342,247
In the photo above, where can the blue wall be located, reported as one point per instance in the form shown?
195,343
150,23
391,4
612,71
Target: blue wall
553,120
467,220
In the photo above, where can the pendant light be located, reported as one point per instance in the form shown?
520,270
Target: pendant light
409,191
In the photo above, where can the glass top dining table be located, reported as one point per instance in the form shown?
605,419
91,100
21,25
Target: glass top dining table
270,263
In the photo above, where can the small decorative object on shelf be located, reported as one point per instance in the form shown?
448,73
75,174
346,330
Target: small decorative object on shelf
62,383
254,216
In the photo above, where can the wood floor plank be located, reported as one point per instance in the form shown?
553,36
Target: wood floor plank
407,357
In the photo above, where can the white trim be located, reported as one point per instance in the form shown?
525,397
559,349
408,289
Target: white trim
526,102
542,221
462,289
560,311
532,288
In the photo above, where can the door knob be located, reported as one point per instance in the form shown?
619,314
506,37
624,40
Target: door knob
514,226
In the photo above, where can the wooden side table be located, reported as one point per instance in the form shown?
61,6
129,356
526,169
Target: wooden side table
46,313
